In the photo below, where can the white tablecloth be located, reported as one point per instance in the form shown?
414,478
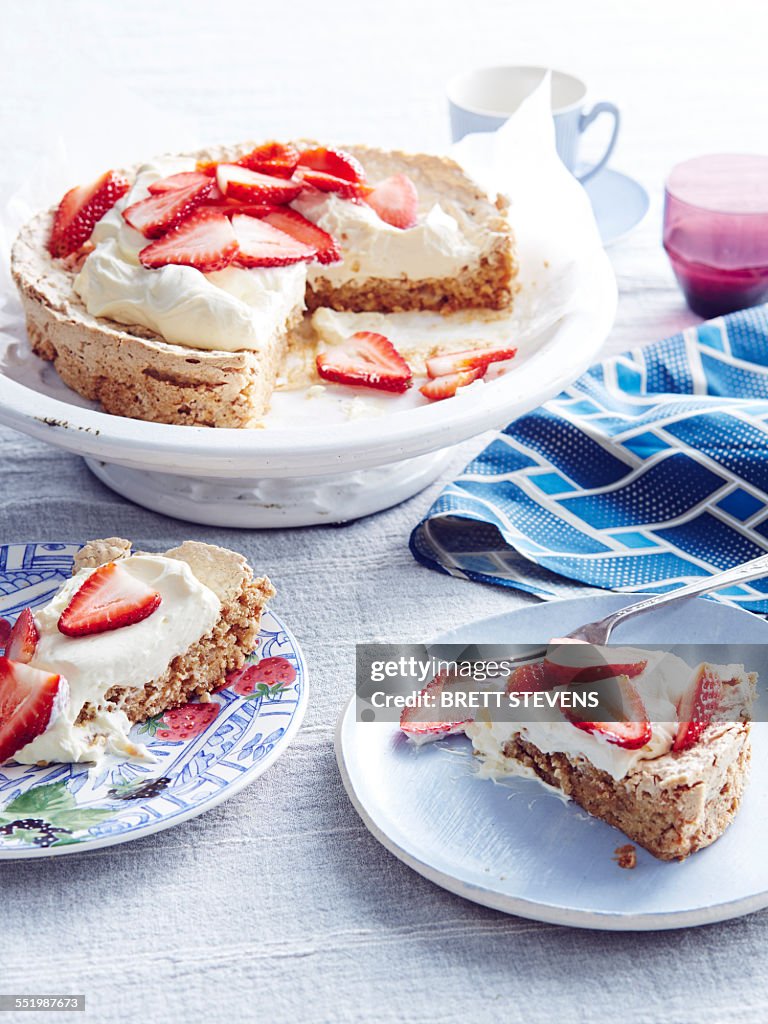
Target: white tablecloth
278,905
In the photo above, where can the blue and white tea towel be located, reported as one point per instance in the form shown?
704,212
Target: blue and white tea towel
650,470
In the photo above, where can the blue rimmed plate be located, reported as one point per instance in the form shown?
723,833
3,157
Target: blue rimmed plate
228,743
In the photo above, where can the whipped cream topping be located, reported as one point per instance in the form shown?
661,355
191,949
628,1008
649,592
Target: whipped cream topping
435,247
661,686
230,310
130,656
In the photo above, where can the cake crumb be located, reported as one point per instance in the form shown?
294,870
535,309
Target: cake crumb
626,856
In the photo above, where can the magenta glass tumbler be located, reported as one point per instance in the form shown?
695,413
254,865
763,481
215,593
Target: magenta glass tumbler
716,231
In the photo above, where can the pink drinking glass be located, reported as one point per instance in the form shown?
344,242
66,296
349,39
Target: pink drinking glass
716,231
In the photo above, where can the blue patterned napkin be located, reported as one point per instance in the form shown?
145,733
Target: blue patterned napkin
650,470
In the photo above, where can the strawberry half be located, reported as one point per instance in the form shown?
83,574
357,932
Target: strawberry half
205,240
160,213
5,632
633,732
180,180
27,703
275,158
22,642
262,245
446,387
530,678
292,223
416,722
108,599
334,162
396,201
250,186
477,359
81,208
695,710
564,675
344,188
366,360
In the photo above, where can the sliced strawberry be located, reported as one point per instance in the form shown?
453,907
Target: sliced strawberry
27,703
205,240
396,201
181,180
419,721
5,632
633,732
697,706
230,207
563,675
158,214
81,208
240,183
275,158
261,245
108,599
207,167
446,387
477,359
292,223
344,188
530,678
366,360
335,162
22,642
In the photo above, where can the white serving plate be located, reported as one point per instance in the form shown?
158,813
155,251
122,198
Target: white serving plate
522,849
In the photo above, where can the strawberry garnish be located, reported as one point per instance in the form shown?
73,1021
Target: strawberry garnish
205,240
81,208
633,732
530,678
27,702
275,158
446,387
396,201
262,245
22,641
344,188
564,675
108,599
477,359
418,721
697,707
334,162
5,632
180,180
365,360
250,186
292,223
160,213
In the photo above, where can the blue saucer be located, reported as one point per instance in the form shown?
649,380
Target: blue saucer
619,203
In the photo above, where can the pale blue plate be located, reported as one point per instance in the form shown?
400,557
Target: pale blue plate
619,203
69,808
521,849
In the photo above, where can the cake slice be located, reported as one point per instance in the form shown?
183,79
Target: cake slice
173,301
129,636
670,776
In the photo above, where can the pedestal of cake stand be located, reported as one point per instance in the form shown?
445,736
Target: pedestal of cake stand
266,502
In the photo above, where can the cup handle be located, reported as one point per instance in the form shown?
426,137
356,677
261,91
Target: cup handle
586,120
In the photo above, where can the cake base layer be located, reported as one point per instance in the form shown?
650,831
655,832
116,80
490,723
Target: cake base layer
490,285
671,807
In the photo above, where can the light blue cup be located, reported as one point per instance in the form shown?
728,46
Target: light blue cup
482,100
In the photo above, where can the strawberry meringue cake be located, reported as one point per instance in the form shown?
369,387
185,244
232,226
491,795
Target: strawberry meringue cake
670,773
168,293
129,636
